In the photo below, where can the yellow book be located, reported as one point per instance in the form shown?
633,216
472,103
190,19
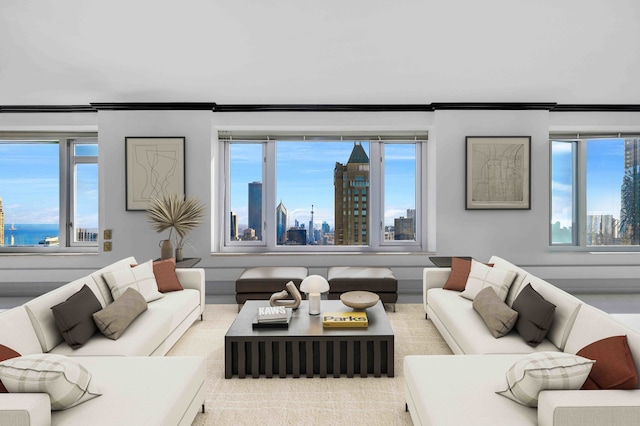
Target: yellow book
345,319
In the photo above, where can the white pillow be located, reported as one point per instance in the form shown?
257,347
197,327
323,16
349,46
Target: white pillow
140,278
545,370
65,381
481,276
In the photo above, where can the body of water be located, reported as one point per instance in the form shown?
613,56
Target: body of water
28,234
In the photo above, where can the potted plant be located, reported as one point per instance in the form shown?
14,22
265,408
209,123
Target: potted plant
176,213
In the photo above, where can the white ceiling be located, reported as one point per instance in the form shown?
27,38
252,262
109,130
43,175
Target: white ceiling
74,52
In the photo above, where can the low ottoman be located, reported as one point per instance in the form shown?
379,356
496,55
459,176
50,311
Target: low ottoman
261,282
361,278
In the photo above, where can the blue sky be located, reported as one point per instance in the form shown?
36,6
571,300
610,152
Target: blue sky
29,186
304,174
605,169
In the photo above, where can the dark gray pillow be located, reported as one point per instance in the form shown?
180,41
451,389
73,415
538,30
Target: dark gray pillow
74,317
496,314
118,316
535,315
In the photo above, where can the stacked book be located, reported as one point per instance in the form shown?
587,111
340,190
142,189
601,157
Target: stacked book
272,317
355,319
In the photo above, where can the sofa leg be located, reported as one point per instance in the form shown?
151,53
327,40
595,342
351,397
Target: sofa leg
202,408
426,316
406,407
201,317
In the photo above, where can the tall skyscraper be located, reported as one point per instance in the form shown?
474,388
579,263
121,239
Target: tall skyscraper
351,183
255,208
403,229
630,193
234,227
282,223
1,224
312,238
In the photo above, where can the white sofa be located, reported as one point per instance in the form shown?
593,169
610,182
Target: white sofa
460,389
138,384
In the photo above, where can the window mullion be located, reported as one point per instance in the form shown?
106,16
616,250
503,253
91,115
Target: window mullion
269,195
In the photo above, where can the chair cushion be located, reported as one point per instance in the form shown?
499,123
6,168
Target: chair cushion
498,317
535,315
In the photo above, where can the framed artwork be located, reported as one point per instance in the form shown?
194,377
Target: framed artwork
154,166
498,172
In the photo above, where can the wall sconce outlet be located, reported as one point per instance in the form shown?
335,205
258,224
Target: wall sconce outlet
107,234
106,246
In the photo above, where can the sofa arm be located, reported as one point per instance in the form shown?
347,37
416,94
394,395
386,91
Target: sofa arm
589,407
193,278
433,278
28,409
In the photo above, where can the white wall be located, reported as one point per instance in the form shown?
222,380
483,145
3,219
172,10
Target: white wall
519,236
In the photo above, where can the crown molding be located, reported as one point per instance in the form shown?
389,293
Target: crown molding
321,107
493,105
154,106
597,108
46,108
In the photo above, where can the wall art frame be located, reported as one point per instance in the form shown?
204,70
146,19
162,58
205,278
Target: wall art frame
154,166
498,173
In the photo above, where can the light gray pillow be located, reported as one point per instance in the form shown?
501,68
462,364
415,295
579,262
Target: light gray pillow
496,314
113,320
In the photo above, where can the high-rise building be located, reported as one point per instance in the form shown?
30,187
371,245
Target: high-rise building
234,227
630,190
1,224
411,214
351,183
255,208
282,223
403,229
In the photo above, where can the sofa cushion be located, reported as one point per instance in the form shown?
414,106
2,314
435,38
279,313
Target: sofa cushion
41,315
165,273
139,277
102,285
65,381
74,319
539,371
16,331
498,317
113,320
567,307
534,315
5,354
518,281
454,316
592,324
614,367
481,276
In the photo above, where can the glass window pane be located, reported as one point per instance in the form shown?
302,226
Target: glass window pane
86,150
85,221
400,192
29,194
319,187
245,192
562,192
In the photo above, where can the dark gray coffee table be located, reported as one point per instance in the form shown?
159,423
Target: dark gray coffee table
306,348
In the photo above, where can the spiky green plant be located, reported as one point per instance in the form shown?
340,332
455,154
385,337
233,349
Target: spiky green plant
175,212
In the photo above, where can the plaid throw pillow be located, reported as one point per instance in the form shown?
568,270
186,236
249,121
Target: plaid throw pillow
544,370
65,381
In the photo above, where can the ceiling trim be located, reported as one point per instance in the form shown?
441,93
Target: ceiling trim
212,106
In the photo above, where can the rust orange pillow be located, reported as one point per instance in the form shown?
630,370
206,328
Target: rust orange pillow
165,273
614,367
460,269
5,354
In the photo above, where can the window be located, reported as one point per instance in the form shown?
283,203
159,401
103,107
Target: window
48,192
595,191
283,192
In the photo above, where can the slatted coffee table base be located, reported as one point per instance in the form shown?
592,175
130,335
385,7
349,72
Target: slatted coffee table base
306,357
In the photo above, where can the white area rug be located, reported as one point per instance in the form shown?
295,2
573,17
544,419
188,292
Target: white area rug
306,401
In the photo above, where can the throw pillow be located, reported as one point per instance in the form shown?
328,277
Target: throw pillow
498,317
165,273
481,276
539,371
74,318
140,278
457,279
5,354
113,320
614,367
535,315
66,381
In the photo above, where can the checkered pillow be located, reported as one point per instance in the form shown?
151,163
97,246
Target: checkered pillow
67,382
482,276
545,370
140,278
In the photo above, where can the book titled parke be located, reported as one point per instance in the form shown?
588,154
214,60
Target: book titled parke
345,320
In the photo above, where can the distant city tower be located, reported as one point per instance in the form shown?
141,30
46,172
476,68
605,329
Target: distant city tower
282,223
255,208
1,224
351,183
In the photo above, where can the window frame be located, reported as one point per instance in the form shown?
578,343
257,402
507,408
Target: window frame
579,227
66,142
375,198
